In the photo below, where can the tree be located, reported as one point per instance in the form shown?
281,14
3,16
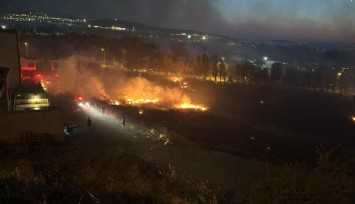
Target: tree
222,71
331,79
197,65
345,80
248,70
179,49
214,67
180,65
163,62
136,51
276,71
292,76
205,65
167,62
239,72
265,75
201,65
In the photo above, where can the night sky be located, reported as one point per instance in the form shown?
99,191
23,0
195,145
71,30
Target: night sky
321,20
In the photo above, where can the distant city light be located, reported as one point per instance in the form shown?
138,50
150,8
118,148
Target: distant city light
204,37
3,27
266,58
189,36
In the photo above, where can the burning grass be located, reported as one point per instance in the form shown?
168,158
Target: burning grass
156,103
188,106
142,92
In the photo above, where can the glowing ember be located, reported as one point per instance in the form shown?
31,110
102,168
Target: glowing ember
192,106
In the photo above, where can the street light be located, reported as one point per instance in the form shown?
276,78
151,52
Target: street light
103,50
26,47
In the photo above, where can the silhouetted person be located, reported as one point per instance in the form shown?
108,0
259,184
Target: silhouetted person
89,122
124,121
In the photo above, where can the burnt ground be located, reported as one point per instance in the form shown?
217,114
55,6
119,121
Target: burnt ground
268,123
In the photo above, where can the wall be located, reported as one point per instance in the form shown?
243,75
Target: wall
5,101
10,57
45,121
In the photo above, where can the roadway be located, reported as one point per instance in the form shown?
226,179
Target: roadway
107,131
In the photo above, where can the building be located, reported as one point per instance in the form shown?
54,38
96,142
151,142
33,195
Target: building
10,57
5,96
25,112
28,69
39,70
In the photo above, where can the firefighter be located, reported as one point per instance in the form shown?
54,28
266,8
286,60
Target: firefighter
89,122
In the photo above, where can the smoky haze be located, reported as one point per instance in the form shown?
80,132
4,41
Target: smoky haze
320,20
300,20
75,78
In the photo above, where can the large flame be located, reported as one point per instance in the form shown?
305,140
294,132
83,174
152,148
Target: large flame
139,91
81,75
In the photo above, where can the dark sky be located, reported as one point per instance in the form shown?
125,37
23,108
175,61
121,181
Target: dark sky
321,20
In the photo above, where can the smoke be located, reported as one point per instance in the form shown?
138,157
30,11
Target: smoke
77,78
81,75
327,20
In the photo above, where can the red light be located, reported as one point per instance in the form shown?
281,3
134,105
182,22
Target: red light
79,98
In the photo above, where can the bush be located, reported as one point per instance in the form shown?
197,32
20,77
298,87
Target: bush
328,182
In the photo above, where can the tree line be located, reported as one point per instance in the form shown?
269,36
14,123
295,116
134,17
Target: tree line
135,54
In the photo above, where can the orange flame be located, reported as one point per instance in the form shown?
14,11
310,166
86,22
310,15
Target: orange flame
142,101
192,106
175,79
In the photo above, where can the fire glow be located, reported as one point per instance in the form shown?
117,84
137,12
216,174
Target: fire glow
142,92
175,79
157,103
142,101
120,89
188,106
